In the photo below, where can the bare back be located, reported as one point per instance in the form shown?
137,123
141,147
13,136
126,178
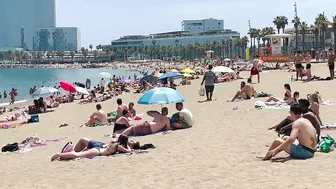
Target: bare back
314,121
159,122
248,89
306,132
102,116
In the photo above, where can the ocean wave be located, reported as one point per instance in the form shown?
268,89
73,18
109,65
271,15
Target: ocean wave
16,102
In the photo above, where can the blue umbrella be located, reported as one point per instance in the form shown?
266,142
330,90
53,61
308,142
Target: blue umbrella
161,95
173,75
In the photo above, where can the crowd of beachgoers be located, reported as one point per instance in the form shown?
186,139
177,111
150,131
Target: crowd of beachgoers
301,131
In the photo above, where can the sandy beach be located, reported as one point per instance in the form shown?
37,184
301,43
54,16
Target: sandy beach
221,150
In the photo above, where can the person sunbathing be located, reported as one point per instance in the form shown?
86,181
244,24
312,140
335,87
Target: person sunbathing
122,123
110,149
290,101
183,119
303,131
159,122
97,118
92,97
287,95
131,109
247,92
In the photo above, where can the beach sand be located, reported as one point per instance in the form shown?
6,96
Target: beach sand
220,151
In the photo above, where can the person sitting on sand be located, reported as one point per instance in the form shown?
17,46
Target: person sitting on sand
122,123
97,118
131,109
159,122
92,97
315,105
110,149
182,119
303,131
121,108
33,109
53,103
287,96
246,91
42,105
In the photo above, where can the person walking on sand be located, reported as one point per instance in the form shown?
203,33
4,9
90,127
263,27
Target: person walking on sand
209,80
308,66
303,131
13,93
331,63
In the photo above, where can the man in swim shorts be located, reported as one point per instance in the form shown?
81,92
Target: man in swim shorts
331,63
159,122
298,64
246,91
97,118
303,131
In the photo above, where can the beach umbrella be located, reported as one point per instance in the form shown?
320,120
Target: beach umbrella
187,70
172,75
174,70
44,91
80,84
82,90
161,95
224,69
125,81
158,74
187,75
149,78
105,75
67,86
227,60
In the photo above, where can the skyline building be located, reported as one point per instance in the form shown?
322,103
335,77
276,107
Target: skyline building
20,18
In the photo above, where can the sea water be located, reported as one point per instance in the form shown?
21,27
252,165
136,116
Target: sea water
24,79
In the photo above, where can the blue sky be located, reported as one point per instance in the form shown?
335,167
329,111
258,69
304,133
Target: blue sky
101,21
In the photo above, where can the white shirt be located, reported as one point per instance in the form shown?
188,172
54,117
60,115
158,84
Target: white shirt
102,83
187,116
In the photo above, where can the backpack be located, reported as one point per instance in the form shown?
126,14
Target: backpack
10,147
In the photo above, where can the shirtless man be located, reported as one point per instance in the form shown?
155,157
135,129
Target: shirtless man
298,65
159,122
308,66
121,108
246,92
303,131
331,63
99,117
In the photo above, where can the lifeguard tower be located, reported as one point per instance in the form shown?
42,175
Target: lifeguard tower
209,54
276,52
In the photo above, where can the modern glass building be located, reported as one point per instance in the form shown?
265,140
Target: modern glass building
57,39
20,18
210,30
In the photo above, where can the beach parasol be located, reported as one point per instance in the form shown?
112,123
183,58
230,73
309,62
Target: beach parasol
173,70
149,78
227,60
105,75
172,75
67,86
161,95
223,69
187,75
44,91
125,81
187,70
82,90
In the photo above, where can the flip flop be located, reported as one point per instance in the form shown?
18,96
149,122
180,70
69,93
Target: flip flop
64,125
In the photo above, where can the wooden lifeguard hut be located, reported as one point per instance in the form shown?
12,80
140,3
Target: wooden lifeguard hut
276,52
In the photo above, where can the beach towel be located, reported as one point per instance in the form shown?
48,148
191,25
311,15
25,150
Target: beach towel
327,102
329,126
32,142
262,105
281,107
12,125
117,135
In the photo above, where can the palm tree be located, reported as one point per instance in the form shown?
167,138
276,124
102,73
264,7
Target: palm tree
303,27
244,41
72,55
334,31
322,22
17,56
60,55
90,47
296,22
278,22
258,36
48,55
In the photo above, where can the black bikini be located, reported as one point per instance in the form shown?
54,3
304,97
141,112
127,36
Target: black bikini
118,127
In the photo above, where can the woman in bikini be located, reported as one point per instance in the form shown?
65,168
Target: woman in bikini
287,95
111,149
122,123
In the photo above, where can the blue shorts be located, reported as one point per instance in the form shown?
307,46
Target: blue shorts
95,144
300,152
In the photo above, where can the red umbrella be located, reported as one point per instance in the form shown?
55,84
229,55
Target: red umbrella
67,86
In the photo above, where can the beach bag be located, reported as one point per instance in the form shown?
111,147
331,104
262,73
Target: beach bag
10,147
201,91
34,119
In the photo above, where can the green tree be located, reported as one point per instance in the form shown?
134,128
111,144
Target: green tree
334,31
95,54
322,22
90,47
303,27
72,55
296,22
48,55
280,22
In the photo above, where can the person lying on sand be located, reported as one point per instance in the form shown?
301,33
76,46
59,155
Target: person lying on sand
246,92
285,126
121,123
91,98
303,131
111,149
290,100
159,122
287,95
97,118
